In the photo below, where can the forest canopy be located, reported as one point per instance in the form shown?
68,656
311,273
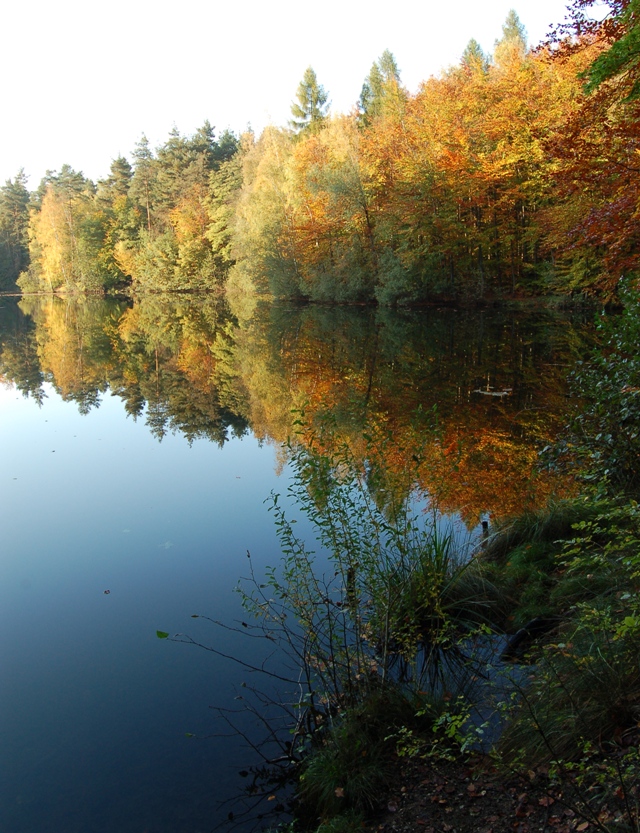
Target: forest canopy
509,174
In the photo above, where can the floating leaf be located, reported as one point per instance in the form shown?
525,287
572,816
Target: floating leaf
162,634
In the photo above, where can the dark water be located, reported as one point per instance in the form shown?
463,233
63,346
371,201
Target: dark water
138,445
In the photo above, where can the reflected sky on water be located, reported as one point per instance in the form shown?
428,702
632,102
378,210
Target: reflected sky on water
94,708
109,534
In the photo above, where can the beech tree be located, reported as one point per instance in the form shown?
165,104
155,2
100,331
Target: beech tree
595,224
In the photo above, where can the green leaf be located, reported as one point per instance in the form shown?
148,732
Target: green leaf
162,634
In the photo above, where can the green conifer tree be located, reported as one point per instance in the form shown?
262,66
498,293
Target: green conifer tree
14,224
381,89
143,182
513,41
473,58
310,110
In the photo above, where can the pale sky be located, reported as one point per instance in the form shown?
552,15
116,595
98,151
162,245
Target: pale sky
82,81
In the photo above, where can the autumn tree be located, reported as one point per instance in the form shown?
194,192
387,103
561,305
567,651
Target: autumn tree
172,190
333,226
67,232
263,225
594,224
513,43
461,176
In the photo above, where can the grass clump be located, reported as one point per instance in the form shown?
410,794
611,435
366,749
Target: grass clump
350,765
586,689
545,563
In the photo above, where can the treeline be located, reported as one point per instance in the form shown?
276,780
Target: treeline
508,174
152,225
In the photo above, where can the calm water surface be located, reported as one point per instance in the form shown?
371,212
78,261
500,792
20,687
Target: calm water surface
138,446
94,708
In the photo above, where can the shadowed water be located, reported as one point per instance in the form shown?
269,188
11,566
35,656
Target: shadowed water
138,446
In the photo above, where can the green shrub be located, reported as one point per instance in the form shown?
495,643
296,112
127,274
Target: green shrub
349,765
586,688
603,438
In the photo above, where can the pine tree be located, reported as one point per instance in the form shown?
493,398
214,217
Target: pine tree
310,110
381,88
473,58
142,184
119,179
513,42
14,223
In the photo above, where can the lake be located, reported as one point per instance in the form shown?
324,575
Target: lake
139,443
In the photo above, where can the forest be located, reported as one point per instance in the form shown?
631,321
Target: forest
513,669
509,175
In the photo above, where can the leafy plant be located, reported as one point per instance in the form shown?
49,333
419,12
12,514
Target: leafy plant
395,595
350,765
604,435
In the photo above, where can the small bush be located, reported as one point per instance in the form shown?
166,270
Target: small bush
603,438
349,767
586,688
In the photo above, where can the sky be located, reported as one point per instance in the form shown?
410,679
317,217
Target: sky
82,81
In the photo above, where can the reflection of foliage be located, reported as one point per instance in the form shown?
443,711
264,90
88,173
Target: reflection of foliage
73,346
198,371
174,357
390,370
18,352
177,356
